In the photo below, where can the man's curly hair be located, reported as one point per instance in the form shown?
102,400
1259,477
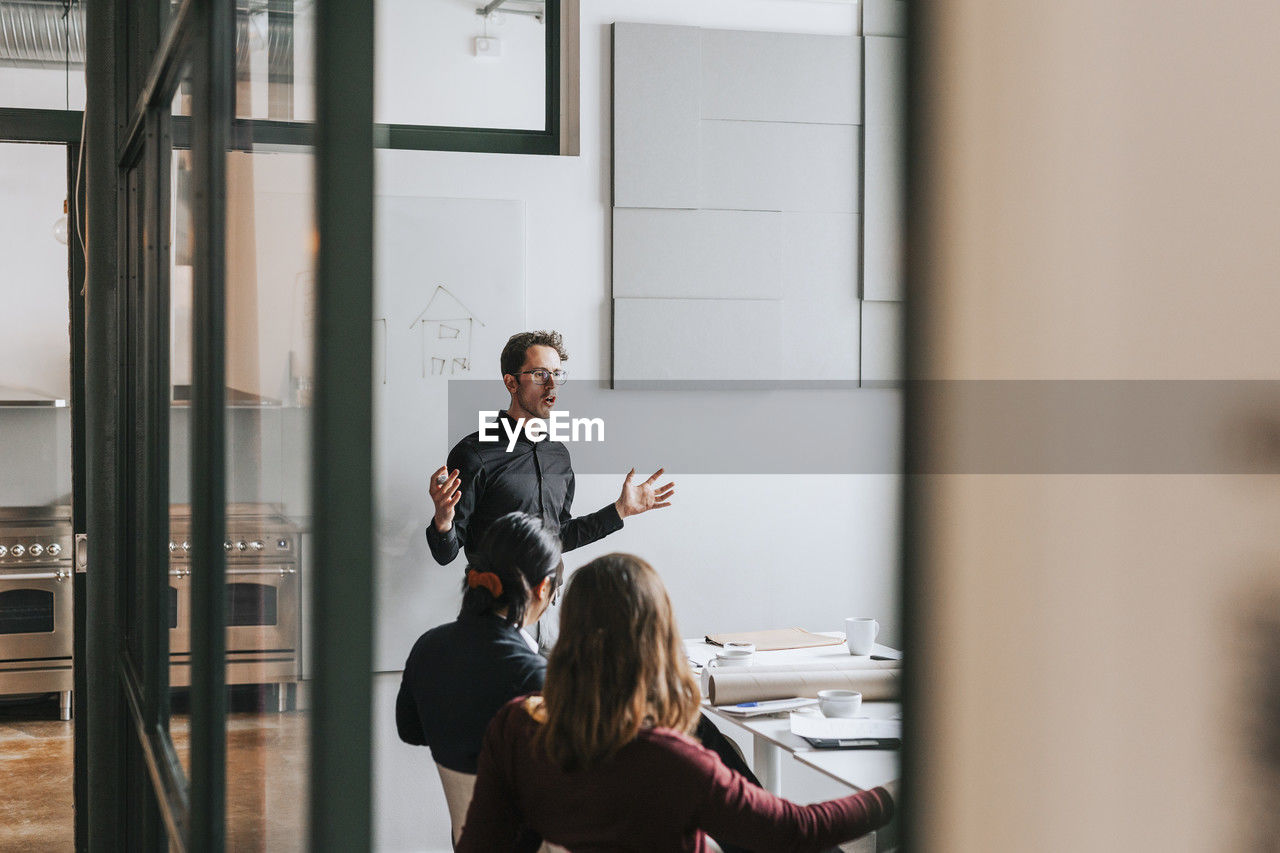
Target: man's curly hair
514,352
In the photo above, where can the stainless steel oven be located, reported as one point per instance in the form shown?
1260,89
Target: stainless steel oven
263,596
36,602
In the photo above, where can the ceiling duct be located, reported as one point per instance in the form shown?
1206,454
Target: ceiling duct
41,33
50,34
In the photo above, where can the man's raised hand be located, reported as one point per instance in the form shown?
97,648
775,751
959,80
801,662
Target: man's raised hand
445,494
638,497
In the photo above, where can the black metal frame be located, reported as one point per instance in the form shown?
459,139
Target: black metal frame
131,789
342,449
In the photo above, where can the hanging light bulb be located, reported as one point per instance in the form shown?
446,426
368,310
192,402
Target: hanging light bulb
60,225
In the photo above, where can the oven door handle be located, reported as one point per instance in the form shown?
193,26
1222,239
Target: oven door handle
282,570
35,576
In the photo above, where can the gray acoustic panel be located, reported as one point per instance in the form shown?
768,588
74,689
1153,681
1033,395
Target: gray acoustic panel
695,339
886,80
819,315
747,165
884,17
882,342
752,76
704,254
883,236
656,110
884,168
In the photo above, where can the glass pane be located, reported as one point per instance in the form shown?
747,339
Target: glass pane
42,54
270,278
181,274
26,611
438,62
35,492
274,64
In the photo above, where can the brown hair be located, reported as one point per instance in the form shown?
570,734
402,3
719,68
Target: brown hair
517,345
618,664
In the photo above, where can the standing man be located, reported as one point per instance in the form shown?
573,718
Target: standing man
484,481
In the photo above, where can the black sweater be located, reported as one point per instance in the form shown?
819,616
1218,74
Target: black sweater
456,678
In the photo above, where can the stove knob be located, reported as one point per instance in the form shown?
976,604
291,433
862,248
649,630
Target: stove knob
226,546
241,545
54,549
18,550
4,551
256,545
37,549
186,547
173,547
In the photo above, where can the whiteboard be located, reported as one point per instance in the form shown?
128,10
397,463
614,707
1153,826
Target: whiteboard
449,292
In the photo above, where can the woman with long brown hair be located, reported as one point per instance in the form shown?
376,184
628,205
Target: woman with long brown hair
603,759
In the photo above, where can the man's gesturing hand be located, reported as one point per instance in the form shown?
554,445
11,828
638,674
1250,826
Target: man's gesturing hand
445,494
642,497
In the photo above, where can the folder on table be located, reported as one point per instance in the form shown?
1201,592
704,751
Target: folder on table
777,638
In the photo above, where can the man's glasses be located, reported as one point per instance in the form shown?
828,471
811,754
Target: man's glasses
542,377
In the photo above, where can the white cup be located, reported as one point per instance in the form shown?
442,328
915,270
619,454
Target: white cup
726,659
839,703
860,634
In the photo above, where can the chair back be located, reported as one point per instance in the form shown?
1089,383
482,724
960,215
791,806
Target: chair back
458,788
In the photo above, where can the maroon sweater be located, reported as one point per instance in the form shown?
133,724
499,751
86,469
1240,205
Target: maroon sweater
661,792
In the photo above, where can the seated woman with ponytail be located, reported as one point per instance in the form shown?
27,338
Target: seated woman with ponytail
459,674
603,759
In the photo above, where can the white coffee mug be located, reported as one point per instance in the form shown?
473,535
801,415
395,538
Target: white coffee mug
839,703
723,661
860,634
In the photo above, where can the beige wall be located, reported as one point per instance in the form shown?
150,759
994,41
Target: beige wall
1099,201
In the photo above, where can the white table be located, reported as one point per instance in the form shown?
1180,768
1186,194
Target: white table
860,769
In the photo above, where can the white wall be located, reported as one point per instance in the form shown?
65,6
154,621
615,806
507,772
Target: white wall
737,552
428,72
35,350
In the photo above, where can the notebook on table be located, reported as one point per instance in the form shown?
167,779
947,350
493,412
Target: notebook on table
776,639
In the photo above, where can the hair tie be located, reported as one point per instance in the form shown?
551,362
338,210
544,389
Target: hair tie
488,580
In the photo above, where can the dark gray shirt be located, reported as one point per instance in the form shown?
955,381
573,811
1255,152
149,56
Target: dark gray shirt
532,477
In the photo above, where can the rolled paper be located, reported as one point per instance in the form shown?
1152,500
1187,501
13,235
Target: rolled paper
731,685
836,663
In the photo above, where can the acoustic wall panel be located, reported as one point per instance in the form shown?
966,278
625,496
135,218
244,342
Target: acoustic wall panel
695,339
751,76
747,165
884,17
886,61
656,113
882,270
884,169
881,342
819,314
705,254
820,256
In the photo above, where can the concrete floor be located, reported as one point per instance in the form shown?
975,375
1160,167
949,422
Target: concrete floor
266,778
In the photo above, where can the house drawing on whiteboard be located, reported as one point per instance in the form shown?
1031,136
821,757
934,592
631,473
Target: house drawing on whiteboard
446,327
